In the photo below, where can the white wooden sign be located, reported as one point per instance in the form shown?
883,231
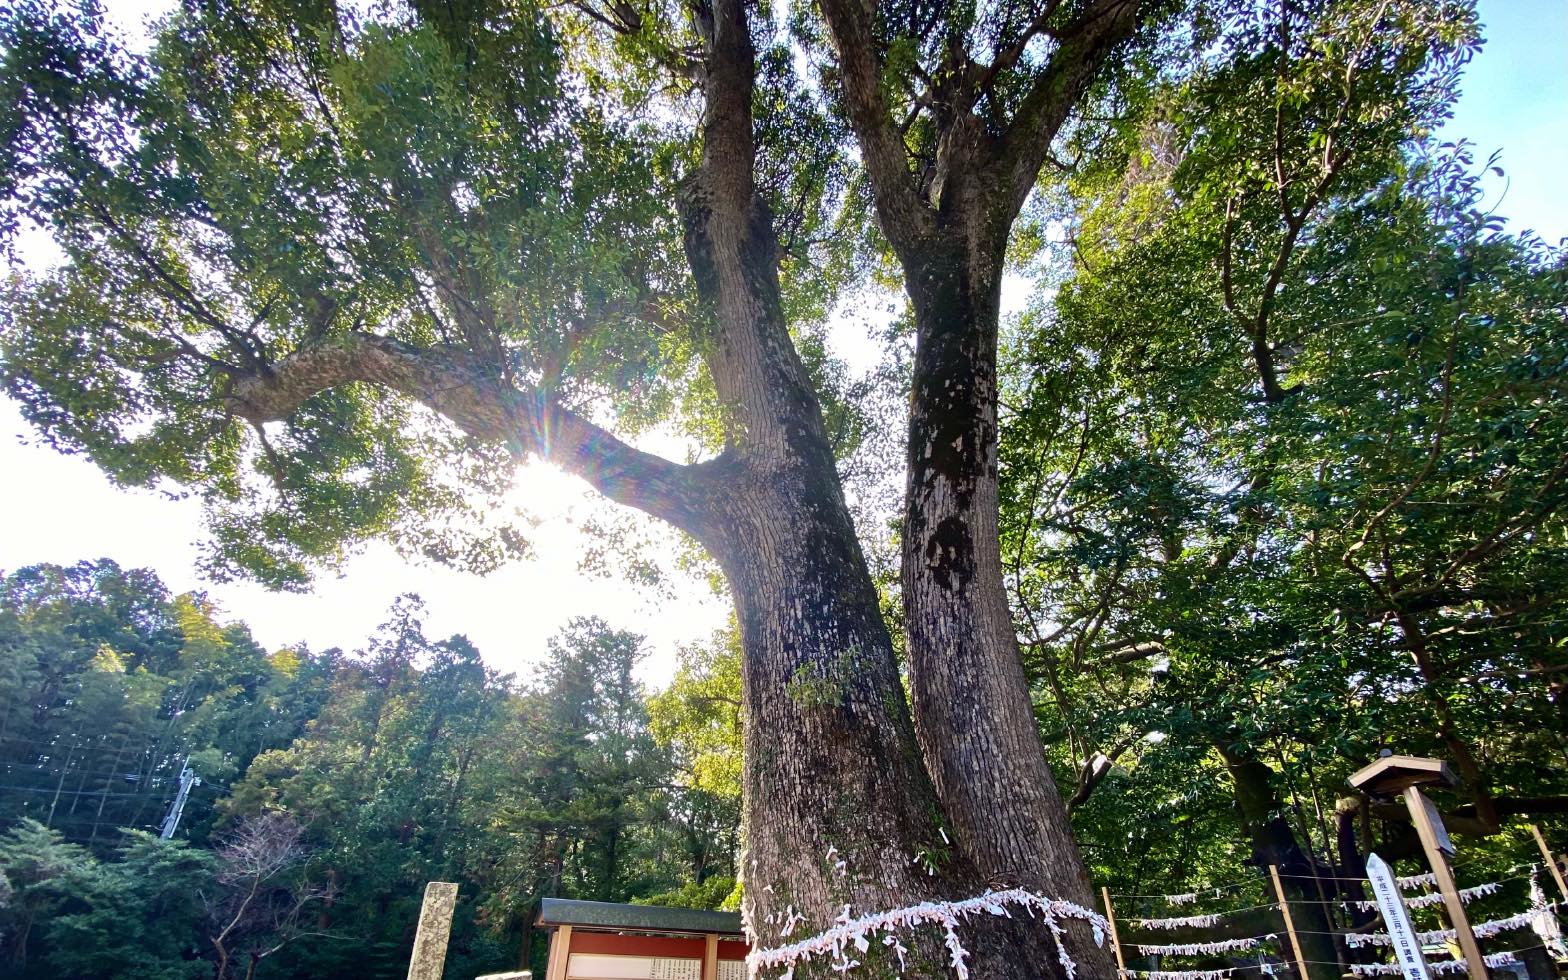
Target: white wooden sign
605,966
1396,919
732,970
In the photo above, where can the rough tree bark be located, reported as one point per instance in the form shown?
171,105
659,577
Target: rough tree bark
831,759
971,700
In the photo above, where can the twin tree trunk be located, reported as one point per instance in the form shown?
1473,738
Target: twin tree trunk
844,806
973,708
833,771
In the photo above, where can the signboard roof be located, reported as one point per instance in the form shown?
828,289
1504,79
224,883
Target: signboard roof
1393,773
636,918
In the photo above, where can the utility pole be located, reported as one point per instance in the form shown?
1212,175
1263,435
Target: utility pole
188,778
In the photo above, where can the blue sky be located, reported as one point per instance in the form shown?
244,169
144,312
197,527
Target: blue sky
62,509
1516,100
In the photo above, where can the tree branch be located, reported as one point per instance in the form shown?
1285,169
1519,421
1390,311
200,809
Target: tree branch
1129,652
1008,57
1084,46
905,219
1466,819
454,385
1099,766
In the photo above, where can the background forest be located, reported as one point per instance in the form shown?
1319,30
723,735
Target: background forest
333,786
1284,459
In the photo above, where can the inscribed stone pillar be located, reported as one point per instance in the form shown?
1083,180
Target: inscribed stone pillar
435,928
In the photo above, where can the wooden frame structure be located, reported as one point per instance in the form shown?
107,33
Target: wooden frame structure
604,941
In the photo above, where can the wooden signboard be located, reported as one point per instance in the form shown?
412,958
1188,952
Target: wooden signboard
604,941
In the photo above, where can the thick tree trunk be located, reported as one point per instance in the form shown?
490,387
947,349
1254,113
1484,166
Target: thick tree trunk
832,771
972,703
949,229
840,814
831,764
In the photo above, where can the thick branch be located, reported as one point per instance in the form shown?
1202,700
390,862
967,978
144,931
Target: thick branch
1097,767
1083,49
1129,653
451,384
733,252
904,217
729,148
1467,819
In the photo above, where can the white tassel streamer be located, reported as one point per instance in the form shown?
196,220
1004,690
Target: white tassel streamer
849,933
1466,895
1447,966
1180,922
1482,930
1204,949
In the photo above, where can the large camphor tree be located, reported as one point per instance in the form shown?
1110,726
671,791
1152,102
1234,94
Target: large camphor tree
338,269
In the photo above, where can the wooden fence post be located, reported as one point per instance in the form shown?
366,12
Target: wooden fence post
435,928
1434,840
1290,924
1551,860
1116,942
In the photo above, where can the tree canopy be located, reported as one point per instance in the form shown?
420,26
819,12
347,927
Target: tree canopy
1283,471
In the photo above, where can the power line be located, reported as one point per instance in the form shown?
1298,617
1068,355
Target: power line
65,792
79,819
90,774
63,735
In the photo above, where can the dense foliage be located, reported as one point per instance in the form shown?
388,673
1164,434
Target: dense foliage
334,786
1285,466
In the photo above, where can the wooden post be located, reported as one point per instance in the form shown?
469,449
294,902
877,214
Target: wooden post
1116,942
1429,828
435,928
560,954
1551,861
710,958
1290,924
